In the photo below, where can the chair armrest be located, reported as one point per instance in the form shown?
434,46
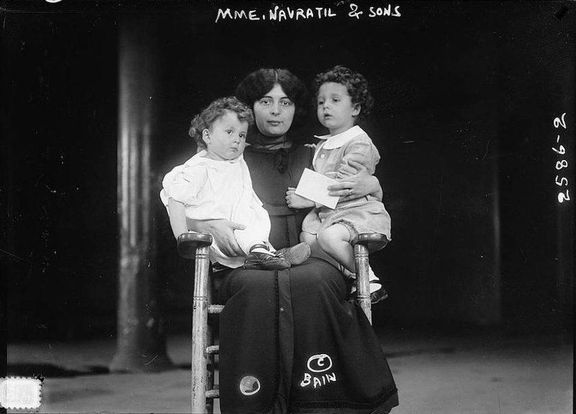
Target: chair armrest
372,241
189,242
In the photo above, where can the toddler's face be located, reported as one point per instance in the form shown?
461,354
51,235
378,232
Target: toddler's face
335,109
226,138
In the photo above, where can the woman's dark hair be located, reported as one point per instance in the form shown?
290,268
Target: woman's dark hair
215,110
355,83
258,83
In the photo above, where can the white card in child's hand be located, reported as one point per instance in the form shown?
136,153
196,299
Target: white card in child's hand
314,186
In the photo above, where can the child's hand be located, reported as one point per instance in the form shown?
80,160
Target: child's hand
295,201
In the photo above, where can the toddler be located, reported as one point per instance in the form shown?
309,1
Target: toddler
342,97
215,184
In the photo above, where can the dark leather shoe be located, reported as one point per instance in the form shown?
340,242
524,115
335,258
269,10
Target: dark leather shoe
378,296
375,297
295,255
265,261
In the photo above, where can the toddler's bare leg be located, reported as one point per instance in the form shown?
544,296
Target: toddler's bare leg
315,249
307,237
335,240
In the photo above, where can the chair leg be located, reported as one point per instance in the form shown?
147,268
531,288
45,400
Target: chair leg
200,330
362,279
210,357
210,375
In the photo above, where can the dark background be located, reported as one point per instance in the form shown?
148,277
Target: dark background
466,94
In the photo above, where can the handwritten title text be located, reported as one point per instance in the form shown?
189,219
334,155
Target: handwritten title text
280,14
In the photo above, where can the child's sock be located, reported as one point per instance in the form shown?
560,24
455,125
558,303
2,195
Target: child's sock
374,280
377,292
260,248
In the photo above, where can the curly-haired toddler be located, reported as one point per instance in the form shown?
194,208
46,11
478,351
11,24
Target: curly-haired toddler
215,184
342,97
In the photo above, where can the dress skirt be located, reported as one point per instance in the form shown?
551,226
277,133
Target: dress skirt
290,342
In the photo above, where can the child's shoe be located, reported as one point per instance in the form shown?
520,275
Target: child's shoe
261,258
295,255
377,292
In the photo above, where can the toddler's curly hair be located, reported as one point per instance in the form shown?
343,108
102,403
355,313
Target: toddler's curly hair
355,83
215,110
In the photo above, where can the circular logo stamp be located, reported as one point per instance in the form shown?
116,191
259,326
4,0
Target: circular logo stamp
319,363
249,385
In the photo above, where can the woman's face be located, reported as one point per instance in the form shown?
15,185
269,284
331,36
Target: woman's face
274,113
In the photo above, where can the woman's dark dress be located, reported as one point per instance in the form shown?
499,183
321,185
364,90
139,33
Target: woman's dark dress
289,341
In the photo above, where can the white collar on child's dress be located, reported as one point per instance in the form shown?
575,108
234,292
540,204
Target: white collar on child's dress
202,155
336,141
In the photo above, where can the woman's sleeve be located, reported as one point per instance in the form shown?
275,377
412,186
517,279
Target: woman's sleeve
364,152
311,148
183,184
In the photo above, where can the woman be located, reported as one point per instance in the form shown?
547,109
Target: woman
289,340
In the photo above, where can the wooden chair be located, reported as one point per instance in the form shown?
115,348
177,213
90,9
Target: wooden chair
195,246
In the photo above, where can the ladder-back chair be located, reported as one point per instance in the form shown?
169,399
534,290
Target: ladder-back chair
195,246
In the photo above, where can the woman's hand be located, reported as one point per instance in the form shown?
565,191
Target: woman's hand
295,201
223,231
359,184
